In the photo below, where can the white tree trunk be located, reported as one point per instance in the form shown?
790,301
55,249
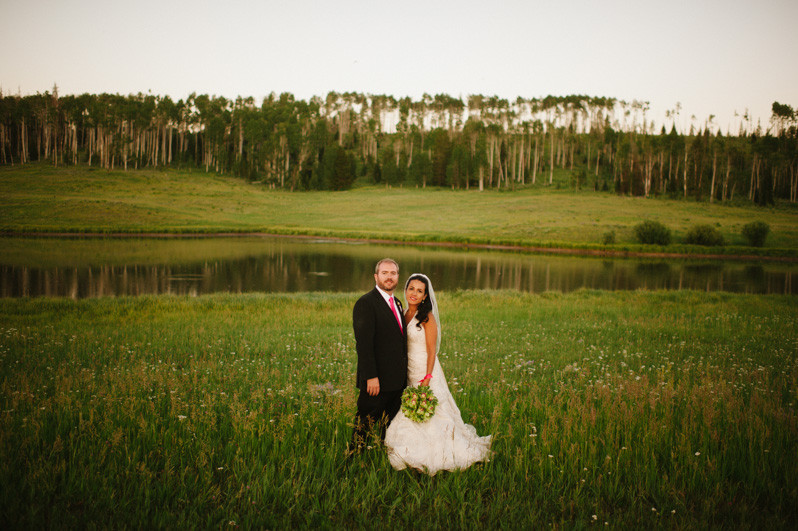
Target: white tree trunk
714,171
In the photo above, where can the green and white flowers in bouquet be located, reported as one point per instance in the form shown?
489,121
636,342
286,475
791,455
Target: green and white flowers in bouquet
418,403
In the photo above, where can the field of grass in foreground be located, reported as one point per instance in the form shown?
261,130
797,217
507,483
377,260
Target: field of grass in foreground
40,198
628,409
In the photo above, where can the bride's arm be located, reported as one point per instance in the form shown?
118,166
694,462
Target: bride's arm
431,337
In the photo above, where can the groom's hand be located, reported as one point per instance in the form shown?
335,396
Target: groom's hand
373,386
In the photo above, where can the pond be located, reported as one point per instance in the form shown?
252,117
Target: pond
97,267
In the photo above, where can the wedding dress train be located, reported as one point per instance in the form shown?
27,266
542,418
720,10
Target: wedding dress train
443,442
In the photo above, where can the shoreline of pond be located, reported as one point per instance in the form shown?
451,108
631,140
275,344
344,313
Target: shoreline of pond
535,249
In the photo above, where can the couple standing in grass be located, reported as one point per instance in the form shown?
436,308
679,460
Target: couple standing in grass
397,349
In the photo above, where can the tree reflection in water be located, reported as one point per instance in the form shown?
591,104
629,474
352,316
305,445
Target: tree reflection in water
239,265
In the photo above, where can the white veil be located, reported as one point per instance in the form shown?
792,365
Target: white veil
433,301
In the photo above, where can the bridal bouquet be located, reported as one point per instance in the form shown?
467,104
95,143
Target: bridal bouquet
418,403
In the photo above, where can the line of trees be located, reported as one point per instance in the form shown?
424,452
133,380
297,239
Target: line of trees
325,144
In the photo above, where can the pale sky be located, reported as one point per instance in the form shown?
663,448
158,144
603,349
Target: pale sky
715,57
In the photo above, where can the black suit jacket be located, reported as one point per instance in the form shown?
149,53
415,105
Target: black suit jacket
381,344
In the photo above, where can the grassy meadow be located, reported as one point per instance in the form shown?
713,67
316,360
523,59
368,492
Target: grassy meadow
621,410
40,198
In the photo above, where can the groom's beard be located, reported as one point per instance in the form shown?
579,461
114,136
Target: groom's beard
385,288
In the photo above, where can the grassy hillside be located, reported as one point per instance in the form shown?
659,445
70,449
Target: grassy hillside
40,198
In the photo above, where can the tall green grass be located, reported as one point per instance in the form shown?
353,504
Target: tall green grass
630,409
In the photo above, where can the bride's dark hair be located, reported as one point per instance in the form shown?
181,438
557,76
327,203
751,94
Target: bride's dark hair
423,310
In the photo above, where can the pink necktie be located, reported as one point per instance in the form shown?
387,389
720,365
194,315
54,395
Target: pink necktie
396,314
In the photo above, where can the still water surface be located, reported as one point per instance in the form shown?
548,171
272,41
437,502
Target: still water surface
86,267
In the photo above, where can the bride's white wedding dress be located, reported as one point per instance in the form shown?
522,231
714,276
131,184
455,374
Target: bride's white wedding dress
443,442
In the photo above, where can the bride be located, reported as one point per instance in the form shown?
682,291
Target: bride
444,442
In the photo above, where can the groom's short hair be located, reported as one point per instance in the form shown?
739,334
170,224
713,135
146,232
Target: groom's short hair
391,260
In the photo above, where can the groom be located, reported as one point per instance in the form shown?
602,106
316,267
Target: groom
381,354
